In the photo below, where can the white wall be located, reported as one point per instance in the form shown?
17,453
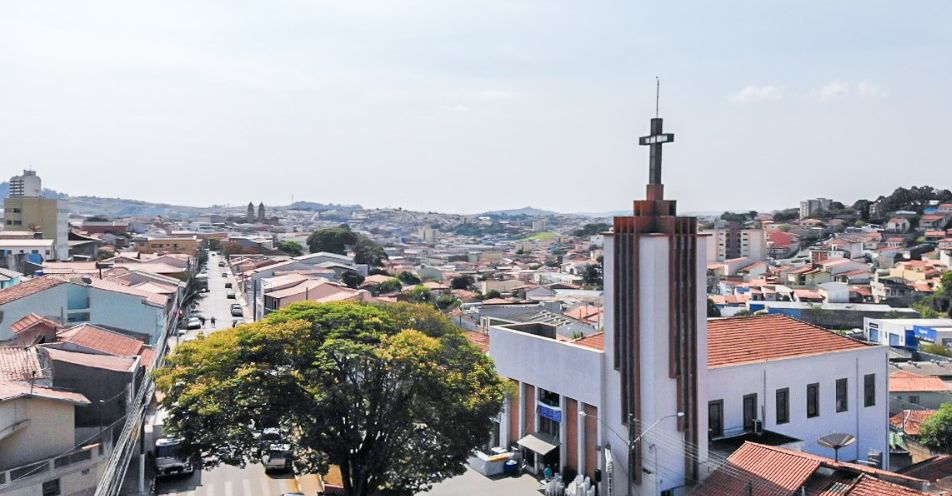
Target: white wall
659,392
868,424
51,302
49,433
563,368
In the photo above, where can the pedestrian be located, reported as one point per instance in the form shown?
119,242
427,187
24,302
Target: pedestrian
213,321
547,473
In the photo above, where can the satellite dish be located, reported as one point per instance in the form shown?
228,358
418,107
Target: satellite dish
836,441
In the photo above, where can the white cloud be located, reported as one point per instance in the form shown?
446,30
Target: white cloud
833,89
870,90
837,89
495,94
752,93
456,108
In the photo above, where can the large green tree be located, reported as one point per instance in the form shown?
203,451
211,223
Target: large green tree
332,240
395,395
339,239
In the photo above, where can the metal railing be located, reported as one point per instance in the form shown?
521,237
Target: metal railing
112,479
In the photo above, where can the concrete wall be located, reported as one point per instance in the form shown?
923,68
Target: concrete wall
868,424
49,433
659,392
51,302
94,384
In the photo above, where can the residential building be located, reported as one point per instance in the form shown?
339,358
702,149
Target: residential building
814,205
730,240
187,245
898,225
908,390
34,250
27,209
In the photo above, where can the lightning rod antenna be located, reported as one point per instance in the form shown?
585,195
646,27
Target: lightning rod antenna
657,101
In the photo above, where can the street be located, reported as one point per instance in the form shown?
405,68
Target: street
224,480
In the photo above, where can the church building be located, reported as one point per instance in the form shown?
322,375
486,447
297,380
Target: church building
653,404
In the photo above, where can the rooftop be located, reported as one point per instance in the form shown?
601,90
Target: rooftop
740,340
28,288
902,381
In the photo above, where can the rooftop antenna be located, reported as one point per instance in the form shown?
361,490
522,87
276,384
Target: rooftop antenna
657,101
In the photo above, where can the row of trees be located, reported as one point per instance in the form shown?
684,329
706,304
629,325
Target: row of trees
394,395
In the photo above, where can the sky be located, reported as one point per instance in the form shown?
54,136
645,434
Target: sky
469,106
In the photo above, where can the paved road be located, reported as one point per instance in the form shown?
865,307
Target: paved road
224,480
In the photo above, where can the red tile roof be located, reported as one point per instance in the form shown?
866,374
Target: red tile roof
909,421
19,364
906,382
102,340
32,320
27,288
740,340
594,341
867,485
107,362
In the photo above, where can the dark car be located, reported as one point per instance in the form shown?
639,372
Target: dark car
227,284
224,274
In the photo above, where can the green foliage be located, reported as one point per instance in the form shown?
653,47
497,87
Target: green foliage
395,395
462,282
420,294
408,277
740,218
492,293
352,279
591,229
214,244
292,248
592,275
338,239
366,251
936,431
444,302
936,349
389,286
712,310
332,240
786,214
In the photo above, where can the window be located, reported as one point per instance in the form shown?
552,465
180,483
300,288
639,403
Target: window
783,405
869,390
913,398
750,411
842,399
813,400
715,419
549,427
51,488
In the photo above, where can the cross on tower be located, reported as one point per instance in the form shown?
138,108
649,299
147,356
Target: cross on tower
654,141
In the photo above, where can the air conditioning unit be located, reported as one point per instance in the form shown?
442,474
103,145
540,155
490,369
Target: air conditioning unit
758,426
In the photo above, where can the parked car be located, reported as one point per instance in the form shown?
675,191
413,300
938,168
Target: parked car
224,274
192,323
230,295
221,264
236,310
227,284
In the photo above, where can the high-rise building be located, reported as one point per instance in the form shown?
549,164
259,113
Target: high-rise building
28,184
814,205
26,210
730,240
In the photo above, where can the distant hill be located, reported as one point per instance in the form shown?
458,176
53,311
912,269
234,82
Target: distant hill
320,207
516,212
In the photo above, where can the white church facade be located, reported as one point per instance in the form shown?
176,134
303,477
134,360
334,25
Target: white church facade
653,404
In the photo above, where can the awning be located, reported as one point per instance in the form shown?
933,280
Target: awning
539,442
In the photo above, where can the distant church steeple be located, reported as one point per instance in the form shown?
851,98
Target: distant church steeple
251,212
261,212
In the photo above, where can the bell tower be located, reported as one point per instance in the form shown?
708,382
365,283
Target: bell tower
656,339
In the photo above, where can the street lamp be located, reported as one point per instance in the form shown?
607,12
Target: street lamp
630,443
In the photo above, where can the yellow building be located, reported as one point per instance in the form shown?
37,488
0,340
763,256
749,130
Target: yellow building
38,214
186,245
